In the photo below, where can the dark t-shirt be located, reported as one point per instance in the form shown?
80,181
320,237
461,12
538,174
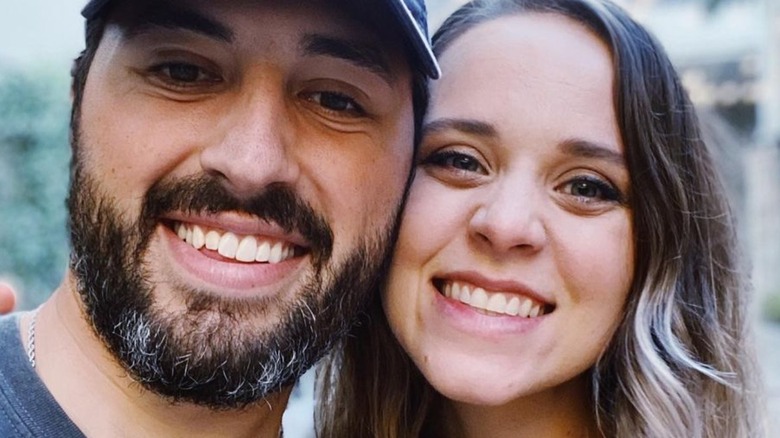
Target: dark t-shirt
27,409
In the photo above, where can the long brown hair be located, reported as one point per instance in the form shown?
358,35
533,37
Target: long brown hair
680,364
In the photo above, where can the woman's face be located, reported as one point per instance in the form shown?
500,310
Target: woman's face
515,254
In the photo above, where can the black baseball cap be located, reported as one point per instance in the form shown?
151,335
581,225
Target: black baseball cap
411,15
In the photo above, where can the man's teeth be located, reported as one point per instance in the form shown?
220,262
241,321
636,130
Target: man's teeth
233,246
493,302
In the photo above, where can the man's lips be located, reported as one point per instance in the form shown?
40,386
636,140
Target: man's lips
239,264
238,247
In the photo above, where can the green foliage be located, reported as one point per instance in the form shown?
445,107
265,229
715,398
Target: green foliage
34,159
771,307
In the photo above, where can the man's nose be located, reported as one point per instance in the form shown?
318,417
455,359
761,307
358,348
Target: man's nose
254,147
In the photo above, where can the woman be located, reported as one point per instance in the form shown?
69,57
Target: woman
567,264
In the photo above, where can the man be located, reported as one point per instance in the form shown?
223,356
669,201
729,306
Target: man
238,168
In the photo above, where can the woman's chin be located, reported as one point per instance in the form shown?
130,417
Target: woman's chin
475,389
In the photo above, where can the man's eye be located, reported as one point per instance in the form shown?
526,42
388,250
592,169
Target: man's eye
184,74
336,102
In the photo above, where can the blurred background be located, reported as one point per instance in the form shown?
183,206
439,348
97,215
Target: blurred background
727,51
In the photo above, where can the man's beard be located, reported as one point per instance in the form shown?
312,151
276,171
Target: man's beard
205,355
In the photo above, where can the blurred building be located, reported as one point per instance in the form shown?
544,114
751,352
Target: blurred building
728,53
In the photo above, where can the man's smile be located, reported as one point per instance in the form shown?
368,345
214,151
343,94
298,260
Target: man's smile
238,247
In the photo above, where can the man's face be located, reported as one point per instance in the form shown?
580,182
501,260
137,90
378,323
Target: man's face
239,167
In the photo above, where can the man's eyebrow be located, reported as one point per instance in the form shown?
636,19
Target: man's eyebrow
363,55
587,149
164,15
467,126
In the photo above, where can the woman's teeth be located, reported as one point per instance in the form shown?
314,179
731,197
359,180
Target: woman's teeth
232,246
492,302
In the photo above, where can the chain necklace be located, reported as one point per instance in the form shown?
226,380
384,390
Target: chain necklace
31,339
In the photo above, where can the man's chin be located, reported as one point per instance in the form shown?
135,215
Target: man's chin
194,346
214,358
214,350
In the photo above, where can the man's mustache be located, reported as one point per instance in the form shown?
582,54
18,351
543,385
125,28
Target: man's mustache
277,203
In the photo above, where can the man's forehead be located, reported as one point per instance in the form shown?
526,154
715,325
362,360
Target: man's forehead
392,23
144,16
352,42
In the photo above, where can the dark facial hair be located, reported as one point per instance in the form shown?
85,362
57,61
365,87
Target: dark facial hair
210,355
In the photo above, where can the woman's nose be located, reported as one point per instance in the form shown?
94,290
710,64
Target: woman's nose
511,217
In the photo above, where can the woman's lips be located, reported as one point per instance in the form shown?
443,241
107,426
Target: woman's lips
492,302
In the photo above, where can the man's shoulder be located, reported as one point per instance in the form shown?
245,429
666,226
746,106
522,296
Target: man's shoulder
11,416
10,339
10,321
27,409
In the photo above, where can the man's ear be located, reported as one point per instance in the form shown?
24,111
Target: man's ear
73,68
7,298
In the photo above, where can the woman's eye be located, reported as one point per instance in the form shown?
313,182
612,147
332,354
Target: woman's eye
336,102
592,189
456,160
586,189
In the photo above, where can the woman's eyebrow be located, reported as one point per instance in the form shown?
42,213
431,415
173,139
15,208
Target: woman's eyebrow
588,149
163,15
467,126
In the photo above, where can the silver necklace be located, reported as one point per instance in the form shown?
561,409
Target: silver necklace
31,339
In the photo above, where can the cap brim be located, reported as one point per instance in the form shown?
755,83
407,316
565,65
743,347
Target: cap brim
417,36
93,8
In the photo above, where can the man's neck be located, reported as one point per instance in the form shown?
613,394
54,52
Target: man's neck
102,400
